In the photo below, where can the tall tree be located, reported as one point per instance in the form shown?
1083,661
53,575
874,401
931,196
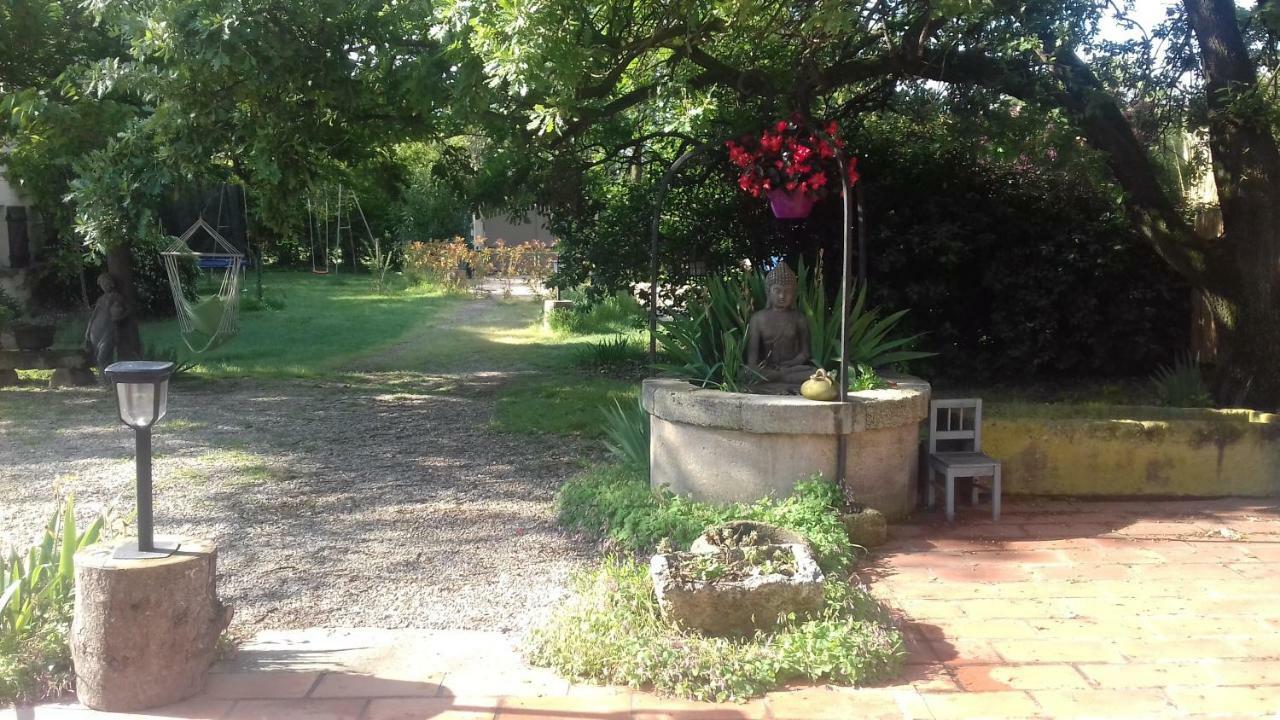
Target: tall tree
704,68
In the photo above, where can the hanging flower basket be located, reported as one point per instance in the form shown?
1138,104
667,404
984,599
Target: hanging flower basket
791,164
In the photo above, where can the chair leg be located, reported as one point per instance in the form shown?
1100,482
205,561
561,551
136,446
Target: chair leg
929,490
973,491
951,497
995,495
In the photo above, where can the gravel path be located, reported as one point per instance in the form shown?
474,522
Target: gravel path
385,502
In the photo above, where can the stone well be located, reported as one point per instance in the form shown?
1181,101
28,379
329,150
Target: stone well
726,447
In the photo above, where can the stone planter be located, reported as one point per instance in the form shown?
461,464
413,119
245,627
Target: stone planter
723,447
866,527
724,607
33,336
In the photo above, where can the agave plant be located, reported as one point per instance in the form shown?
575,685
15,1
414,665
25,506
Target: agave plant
1181,384
626,432
39,584
705,344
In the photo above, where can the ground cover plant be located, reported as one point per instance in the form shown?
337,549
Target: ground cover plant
616,502
612,630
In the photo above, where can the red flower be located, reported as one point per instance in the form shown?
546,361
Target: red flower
790,155
853,171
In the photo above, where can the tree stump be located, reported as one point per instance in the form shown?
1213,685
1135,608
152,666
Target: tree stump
145,631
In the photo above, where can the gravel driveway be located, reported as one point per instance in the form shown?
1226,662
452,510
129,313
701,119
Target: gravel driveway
385,502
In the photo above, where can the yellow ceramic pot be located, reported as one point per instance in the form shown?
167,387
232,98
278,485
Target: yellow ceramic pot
820,386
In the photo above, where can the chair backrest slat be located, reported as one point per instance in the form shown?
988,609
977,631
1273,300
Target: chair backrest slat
962,420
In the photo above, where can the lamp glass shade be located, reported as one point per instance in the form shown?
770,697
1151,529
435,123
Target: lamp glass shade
142,404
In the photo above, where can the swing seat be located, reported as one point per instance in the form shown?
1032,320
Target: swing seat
206,315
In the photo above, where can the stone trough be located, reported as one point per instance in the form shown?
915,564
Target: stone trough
724,607
724,447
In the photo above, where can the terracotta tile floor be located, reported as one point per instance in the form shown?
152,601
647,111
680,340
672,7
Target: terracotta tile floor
1064,609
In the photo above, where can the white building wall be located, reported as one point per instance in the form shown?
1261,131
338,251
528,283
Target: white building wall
511,230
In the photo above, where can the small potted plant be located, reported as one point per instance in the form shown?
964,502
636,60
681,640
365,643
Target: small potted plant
792,164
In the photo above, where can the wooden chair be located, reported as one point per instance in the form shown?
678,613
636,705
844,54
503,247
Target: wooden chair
956,426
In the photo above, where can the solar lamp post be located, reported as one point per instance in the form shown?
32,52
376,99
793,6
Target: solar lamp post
142,396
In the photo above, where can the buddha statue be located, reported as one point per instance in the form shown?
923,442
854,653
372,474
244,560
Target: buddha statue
778,357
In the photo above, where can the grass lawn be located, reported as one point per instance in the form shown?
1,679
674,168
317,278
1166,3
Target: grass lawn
335,327
326,322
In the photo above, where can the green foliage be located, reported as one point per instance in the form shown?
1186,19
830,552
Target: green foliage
626,429
1181,384
612,632
616,313
10,309
36,592
612,355
706,343
1010,247
271,301
566,404
864,377
182,363
616,502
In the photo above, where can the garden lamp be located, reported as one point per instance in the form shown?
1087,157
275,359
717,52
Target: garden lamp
142,393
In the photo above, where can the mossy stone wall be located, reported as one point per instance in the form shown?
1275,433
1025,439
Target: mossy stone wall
1099,450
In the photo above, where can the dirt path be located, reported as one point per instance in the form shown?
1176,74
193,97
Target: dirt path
387,502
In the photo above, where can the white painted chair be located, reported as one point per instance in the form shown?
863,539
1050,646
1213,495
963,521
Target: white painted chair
956,425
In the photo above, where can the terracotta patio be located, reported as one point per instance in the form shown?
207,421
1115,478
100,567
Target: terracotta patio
1063,609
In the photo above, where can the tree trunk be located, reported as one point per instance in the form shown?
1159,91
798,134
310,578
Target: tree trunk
145,631
120,267
1246,170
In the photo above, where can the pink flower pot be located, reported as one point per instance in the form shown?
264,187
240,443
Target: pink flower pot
793,205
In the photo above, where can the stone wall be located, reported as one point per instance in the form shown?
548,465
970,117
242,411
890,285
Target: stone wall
1132,451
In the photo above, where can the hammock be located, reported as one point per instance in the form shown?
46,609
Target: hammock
208,321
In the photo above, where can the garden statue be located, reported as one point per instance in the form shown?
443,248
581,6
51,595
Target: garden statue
103,333
778,337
